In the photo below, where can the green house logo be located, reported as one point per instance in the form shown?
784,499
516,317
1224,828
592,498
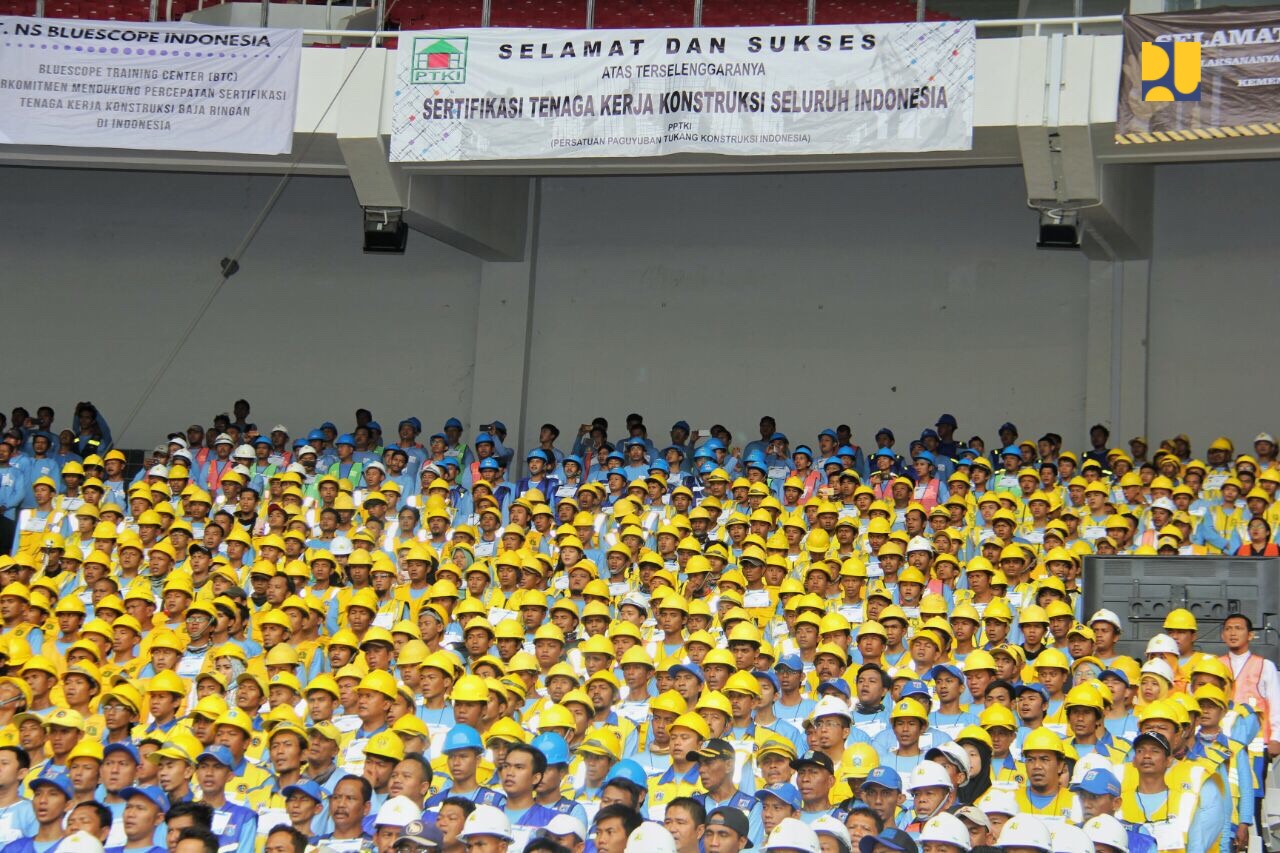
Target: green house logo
439,60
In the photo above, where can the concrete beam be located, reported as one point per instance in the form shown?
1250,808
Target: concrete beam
377,181
504,334
1120,227
1116,348
485,216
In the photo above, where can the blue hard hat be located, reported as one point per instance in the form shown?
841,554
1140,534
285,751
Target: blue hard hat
328,425
758,463
413,422
885,451
927,457
703,452
677,448
346,438
684,425
553,746
616,455
485,438
490,464
539,453
453,423
625,770
659,465
706,467
714,444
499,426
778,436
928,433
947,420
374,426
846,450
829,433
574,458
885,431
462,736
315,435
1011,451
802,449
262,439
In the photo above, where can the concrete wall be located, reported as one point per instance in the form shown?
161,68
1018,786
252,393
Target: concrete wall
1215,307
104,270
876,299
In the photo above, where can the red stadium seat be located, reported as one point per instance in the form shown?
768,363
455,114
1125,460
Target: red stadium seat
644,13
872,12
754,13
557,14
429,14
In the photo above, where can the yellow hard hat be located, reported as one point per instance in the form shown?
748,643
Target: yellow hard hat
1043,739
468,688
1180,619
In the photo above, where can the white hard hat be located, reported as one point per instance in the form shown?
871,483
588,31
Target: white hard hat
158,471
1071,839
998,801
928,774
178,440
919,543
827,825
565,824
397,812
280,428
1106,829
223,438
1109,616
793,834
954,754
946,829
305,449
244,451
650,837
1158,667
487,820
829,706
340,546
241,470
1025,830
1162,644
1163,503
80,842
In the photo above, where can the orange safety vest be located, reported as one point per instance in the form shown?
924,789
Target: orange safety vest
1246,690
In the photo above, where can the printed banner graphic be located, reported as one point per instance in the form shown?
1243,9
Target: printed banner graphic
175,87
1200,75
543,94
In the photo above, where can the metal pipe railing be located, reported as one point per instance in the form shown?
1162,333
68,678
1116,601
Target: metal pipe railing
1034,23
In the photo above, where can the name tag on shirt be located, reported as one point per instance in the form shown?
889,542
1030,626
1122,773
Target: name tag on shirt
756,598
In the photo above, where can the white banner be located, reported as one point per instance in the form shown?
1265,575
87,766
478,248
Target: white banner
510,94
175,87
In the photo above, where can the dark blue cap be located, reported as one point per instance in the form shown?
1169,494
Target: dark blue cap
893,839
769,676
453,423
884,431
928,434
684,425
499,426
1007,426
374,426
915,687
946,420
329,425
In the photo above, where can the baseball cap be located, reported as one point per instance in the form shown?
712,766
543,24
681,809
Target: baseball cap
974,815
1032,688
1098,781
784,791
713,749
220,754
563,824
790,661
1156,738
61,781
885,777
814,758
733,818
894,839
152,792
